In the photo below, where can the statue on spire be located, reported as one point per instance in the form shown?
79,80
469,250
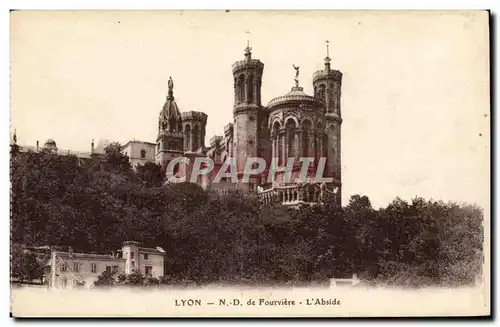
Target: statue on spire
170,88
296,75
170,84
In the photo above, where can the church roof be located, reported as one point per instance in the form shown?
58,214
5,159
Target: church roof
170,109
296,95
50,142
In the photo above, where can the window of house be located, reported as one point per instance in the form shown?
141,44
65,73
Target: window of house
143,154
131,255
149,270
146,256
93,267
76,267
133,264
108,269
115,269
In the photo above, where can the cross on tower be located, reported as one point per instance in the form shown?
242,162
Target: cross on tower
248,49
327,58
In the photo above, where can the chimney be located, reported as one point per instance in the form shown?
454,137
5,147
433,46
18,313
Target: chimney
37,146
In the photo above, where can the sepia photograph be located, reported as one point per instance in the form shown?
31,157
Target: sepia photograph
249,163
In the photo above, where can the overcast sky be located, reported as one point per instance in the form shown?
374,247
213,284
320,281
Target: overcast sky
415,94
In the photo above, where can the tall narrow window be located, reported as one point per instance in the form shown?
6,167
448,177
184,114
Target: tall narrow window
290,134
187,138
276,144
321,94
196,135
250,88
306,138
76,267
241,88
93,267
143,154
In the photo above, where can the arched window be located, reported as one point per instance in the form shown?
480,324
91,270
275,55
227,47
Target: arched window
291,129
275,131
187,138
196,136
250,88
241,88
321,93
306,138
318,139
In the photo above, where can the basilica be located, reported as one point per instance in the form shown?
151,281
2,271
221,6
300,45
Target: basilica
290,126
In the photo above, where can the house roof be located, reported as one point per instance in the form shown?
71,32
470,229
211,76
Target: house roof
157,250
88,256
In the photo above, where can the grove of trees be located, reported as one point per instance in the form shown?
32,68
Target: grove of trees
94,205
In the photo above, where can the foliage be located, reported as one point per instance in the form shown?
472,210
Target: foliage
24,264
95,205
105,279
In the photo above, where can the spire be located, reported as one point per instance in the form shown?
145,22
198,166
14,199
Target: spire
248,49
327,58
170,89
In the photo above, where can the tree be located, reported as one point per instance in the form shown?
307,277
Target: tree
105,279
115,160
25,265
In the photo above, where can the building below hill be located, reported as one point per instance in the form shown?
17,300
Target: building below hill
68,269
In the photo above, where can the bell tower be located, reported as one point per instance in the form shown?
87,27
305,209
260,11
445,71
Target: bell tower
170,140
327,85
247,111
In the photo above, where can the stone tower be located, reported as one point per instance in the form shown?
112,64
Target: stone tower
247,112
327,88
169,143
194,125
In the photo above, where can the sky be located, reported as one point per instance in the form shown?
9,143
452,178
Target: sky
415,93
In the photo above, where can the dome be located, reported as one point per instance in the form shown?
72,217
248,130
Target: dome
171,110
296,95
50,143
